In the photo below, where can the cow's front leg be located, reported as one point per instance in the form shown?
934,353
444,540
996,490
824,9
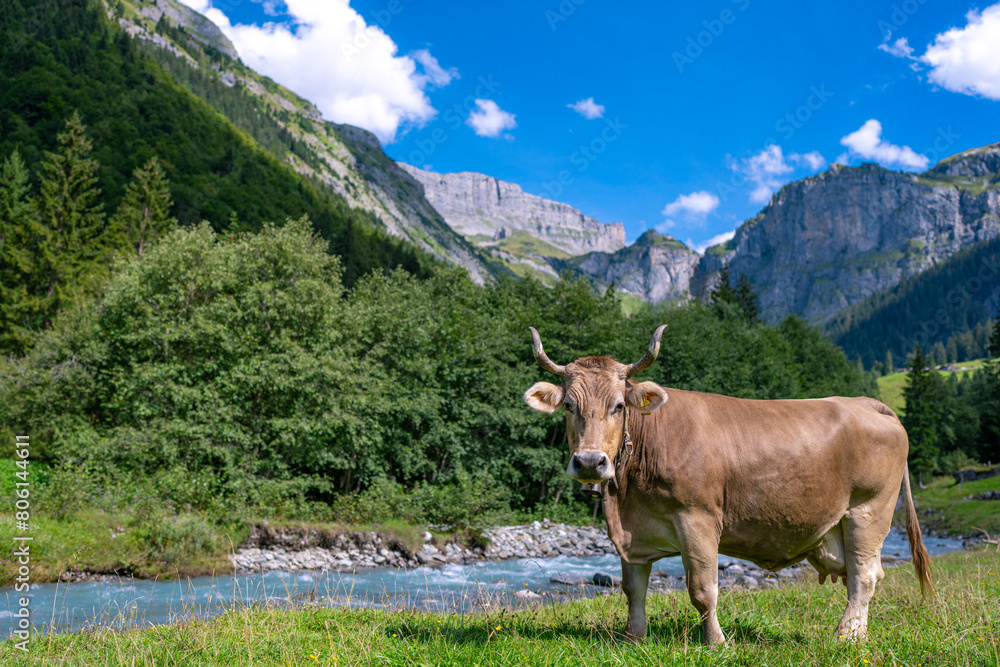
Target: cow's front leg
635,581
701,565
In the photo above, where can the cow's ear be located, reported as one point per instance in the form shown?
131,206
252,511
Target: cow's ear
544,397
645,397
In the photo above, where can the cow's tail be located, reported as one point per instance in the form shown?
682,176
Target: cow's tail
921,559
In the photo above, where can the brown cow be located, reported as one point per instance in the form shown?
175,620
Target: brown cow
772,482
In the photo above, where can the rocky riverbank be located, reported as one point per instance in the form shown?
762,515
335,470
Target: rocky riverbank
304,549
300,549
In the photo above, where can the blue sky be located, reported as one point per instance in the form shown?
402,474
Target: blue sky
683,117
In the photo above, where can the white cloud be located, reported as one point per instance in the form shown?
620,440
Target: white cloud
489,120
814,160
765,171
715,240
967,60
962,60
434,75
900,48
701,202
272,7
327,53
588,109
692,208
769,169
867,143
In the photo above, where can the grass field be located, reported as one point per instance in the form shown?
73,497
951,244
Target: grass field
949,512
891,386
792,625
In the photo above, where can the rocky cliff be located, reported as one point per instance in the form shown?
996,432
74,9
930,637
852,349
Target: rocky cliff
486,210
346,160
829,241
654,268
821,244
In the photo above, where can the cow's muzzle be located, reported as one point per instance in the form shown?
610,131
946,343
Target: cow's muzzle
590,466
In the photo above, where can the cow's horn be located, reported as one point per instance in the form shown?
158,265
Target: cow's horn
650,356
540,356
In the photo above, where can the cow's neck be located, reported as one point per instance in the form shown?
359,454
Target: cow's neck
617,490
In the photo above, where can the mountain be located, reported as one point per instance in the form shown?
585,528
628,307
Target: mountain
878,257
485,209
831,240
654,268
344,160
58,56
944,305
821,245
524,231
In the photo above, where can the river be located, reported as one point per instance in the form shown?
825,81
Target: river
461,588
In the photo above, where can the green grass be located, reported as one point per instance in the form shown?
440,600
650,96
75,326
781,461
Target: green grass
721,249
891,386
950,513
792,625
93,541
521,244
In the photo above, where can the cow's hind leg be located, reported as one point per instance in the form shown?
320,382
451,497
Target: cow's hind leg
865,527
635,581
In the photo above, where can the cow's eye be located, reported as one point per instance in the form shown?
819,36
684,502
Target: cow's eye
569,407
619,407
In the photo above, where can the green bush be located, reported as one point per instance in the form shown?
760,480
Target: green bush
954,461
472,502
172,538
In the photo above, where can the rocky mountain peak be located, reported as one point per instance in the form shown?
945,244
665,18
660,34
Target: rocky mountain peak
198,27
651,238
831,240
655,268
975,163
479,206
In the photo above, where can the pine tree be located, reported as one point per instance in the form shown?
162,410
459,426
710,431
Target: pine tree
144,214
952,350
71,222
989,418
889,368
724,292
921,418
747,299
939,354
16,266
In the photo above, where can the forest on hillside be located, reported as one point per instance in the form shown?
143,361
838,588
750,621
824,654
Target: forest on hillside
60,57
945,310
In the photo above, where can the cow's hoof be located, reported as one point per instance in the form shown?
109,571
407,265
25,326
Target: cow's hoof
634,637
855,633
